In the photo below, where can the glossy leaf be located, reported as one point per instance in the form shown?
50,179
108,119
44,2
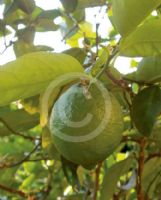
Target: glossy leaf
151,176
20,48
146,106
77,53
157,136
7,176
12,17
49,14
31,104
48,144
127,15
26,34
90,3
112,176
69,5
139,43
18,120
44,25
30,74
148,71
14,147
26,5
100,61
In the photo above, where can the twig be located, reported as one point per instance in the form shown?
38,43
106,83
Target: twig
129,139
38,159
48,189
115,51
6,46
153,156
97,37
121,83
141,159
15,132
21,161
70,30
117,196
13,191
138,82
75,26
96,188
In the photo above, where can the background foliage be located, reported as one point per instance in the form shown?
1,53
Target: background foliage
30,166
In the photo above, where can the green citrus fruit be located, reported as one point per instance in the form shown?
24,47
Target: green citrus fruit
75,124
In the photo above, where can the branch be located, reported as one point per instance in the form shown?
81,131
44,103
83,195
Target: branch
70,31
97,37
121,83
6,46
129,139
48,189
15,132
21,161
153,156
96,188
141,159
13,191
138,82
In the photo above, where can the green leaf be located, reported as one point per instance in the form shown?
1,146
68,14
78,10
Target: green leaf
21,47
151,175
77,53
30,74
119,93
26,34
3,30
31,104
69,5
146,106
144,41
87,29
18,120
100,62
12,17
37,12
112,176
156,136
70,172
44,25
127,15
75,197
90,3
130,77
49,14
149,70
48,144
42,48
14,147
79,15
26,5
7,176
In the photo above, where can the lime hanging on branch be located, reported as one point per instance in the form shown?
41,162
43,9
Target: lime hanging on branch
86,124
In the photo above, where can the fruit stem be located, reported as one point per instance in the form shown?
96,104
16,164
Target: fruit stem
96,187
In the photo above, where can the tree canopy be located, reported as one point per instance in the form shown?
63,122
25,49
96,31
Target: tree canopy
33,163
